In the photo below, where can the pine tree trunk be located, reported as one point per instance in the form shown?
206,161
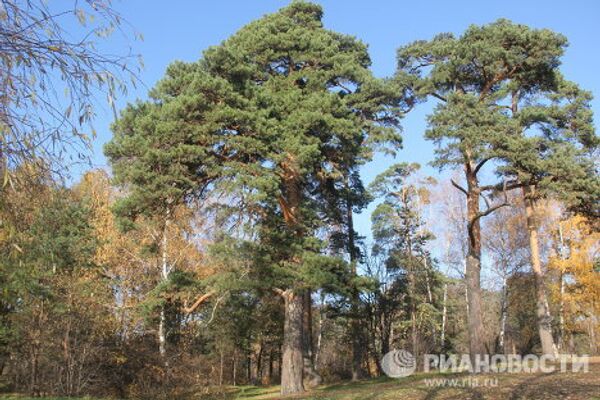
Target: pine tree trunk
544,320
473,266
293,365
311,377
356,334
292,362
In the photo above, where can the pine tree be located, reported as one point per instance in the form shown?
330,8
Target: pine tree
269,120
551,151
496,83
463,74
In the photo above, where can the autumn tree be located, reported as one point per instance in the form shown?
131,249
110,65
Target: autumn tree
51,78
577,288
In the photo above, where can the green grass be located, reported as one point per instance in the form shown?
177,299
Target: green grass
555,386
19,397
415,387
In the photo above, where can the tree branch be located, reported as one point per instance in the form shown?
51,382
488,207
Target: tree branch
200,300
481,164
439,96
456,185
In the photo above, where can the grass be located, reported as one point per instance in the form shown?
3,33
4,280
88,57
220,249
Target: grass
572,386
524,386
19,397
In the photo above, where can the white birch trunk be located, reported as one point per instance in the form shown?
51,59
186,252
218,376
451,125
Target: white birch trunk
444,316
162,334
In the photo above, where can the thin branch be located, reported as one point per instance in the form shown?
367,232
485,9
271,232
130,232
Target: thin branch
481,164
456,185
439,96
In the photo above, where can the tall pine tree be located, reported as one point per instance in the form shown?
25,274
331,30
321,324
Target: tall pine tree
502,98
270,118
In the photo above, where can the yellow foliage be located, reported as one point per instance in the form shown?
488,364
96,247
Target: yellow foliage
581,245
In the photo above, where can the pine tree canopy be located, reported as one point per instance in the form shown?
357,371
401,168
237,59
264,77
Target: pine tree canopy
273,119
502,97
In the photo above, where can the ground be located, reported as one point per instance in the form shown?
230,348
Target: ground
571,386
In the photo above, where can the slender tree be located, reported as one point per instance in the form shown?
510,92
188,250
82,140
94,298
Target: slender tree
52,73
462,74
400,235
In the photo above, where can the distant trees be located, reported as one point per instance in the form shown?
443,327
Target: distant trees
53,304
575,290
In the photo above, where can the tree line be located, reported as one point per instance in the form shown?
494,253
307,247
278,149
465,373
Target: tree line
222,249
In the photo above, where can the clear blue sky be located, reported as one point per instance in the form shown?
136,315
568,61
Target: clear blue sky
181,30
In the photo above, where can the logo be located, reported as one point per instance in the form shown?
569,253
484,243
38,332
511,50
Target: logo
398,364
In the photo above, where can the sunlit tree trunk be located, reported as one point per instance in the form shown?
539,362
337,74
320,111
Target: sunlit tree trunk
292,362
164,274
544,320
503,314
444,317
473,264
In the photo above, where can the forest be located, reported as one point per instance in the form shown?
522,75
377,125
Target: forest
220,250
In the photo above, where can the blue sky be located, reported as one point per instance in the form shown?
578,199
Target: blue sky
182,29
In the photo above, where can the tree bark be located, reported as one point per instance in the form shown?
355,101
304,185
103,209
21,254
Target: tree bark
444,317
162,335
292,363
544,319
503,315
473,265
311,377
357,346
